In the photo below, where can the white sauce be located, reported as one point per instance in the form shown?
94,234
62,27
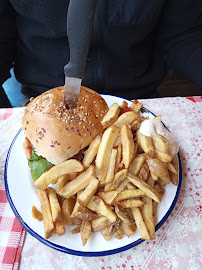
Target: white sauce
153,127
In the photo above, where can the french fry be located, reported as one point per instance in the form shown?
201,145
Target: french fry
108,197
54,204
128,229
46,212
157,168
140,223
160,190
104,151
59,228
67,209
85,214
128,145
126,118
124,214
147,214
158,117
135,125
119,177
150,192
111,168
144,172
85,231
91,205
128,194
36,214
80,182
111,116
118,141
76,230
104,210
119,233
91,152
122,185
163,156
154,206
66,167
136,164
61,182
130,186
145,142
118,157
107,232
172,168
173,178
100,223
130,203
136,106
85,196
161,144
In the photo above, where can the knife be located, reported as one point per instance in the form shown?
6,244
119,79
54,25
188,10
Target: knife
79,26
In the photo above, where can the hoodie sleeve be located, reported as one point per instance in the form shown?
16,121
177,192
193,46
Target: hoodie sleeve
8,36
180,38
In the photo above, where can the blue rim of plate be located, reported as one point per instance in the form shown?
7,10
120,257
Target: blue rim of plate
83,253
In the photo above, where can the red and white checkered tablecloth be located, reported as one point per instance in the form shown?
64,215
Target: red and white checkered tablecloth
12,234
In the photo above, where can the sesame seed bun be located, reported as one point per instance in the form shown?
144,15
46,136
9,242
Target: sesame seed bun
58,133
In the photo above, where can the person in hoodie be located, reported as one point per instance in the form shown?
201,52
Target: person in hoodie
134,44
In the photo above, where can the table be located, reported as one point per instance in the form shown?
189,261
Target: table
178,243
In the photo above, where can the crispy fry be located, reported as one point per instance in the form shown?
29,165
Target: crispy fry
91,205
128,229
86,214
119,233
136,164
76,230
46,212
100,223
136,106
150,192
122,185
85,196
171,168
78,183
147,214
36,213
67,208
163,156
54,204
158,117
85,231
59,228
130,186
108,197
66,167
118,157
111,116
157,168
160,190
144,172
130,203
161,144
119,177
124,214
104,151
91,152
126,118
128,145
111,168
103,209
135,125
128,194
140,223
145,142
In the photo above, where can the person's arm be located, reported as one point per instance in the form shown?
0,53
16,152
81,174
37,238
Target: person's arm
180,38
8,35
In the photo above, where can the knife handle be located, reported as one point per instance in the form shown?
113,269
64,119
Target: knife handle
79,26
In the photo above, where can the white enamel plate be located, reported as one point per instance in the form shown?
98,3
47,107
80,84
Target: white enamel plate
22,195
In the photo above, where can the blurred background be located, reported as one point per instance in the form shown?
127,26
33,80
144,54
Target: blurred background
174,85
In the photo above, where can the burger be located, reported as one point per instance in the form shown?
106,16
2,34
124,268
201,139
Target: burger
54,133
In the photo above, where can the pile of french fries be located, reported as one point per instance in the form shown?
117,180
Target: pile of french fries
117,186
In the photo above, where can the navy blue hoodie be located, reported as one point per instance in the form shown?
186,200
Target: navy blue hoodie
133,44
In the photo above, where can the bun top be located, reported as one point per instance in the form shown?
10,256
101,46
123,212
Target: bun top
58,133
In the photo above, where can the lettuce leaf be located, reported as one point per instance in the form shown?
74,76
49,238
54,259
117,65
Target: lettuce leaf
38,165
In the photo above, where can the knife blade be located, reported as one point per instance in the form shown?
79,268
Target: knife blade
79,27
